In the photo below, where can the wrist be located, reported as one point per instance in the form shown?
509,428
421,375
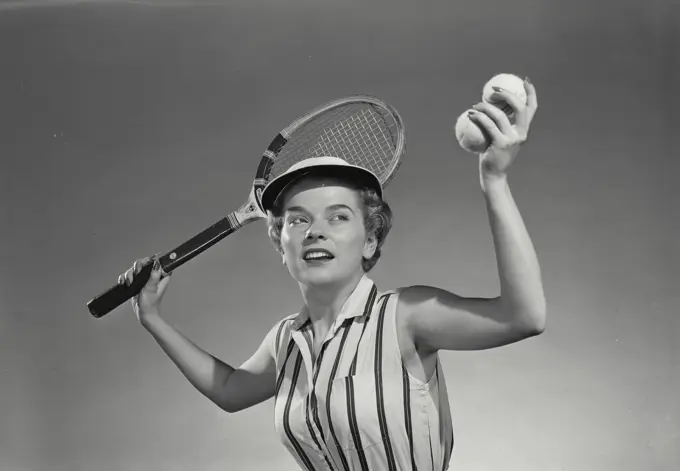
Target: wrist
493,183
148,319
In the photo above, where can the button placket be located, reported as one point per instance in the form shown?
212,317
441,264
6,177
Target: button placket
311,407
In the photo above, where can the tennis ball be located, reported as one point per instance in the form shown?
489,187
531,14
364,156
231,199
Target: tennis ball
509,82
469,135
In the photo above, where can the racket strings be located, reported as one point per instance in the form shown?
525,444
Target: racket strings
361,134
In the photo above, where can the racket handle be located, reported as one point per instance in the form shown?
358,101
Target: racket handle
118,294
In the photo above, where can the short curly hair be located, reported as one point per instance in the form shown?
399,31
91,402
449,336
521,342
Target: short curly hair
377,220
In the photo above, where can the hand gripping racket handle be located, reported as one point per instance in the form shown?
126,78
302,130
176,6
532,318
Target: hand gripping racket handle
118,294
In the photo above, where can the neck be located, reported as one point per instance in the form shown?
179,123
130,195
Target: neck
323,303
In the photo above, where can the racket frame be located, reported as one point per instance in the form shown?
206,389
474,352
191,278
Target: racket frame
248,212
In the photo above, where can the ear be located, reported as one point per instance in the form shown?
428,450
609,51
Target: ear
370,246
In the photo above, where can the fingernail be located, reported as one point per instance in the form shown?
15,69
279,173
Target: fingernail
156,265
527,80
498,89
471,112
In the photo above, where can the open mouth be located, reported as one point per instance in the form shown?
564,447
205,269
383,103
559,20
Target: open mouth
317,255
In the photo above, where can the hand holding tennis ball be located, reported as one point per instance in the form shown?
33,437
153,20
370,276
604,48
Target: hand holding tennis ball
472,137
508,82
487,130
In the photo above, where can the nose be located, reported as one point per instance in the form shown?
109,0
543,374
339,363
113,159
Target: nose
313,233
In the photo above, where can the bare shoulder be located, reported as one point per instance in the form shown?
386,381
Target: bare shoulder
415,299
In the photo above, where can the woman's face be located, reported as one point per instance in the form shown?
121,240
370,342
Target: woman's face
323,236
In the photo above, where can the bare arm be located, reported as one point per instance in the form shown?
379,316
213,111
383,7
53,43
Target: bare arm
440,320
230,389
435,319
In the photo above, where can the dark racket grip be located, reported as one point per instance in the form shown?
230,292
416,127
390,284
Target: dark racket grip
117,295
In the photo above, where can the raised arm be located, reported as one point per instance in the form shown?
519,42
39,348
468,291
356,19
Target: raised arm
435,319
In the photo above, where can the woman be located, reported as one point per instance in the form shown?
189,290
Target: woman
355,374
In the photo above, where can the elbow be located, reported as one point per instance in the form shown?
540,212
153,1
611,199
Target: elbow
538,327
228,408
229,404
535,322
224,403
536,314
540,316
530,322
526,328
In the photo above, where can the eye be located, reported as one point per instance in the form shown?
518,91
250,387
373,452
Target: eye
340,217
295,220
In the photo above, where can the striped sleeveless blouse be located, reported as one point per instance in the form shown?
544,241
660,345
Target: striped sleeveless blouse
356,407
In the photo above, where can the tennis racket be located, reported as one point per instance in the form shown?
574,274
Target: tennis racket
361,130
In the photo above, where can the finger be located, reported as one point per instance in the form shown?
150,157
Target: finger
129,276
152,283
502,96
141,263
156,275
162,285
497,116
487,125
512,104
532,99
130,273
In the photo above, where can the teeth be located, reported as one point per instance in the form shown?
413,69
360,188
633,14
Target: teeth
314,255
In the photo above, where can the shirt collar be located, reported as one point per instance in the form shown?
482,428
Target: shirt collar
354,306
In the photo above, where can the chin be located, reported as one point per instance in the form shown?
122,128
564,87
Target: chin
318,279
319,276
